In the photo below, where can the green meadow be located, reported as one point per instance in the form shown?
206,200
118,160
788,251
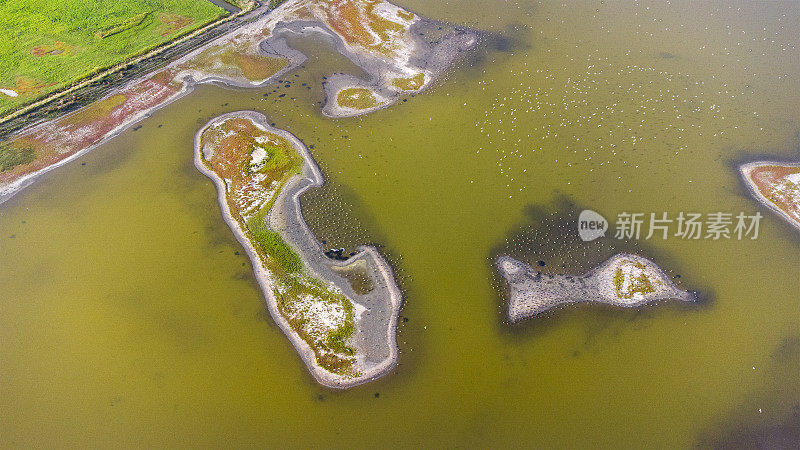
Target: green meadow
50,44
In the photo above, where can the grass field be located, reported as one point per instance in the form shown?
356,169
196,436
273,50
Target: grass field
50,44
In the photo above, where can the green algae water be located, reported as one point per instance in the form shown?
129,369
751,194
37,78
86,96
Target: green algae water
129,315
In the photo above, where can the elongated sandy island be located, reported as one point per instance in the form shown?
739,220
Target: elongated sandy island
341,316
623,280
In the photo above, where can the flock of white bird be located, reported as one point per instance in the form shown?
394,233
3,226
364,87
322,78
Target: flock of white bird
580,101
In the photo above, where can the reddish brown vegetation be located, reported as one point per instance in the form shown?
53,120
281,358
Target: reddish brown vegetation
57,48
173,22
61,138
772,183
27,86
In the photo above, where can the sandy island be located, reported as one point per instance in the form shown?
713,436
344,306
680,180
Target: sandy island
341,316
776,185
623,280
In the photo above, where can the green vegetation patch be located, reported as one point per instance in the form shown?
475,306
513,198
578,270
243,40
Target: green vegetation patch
282,259
97,110
88,35
385,28
237,62
296,291
356,98
410,83
241,4
11,157
122,26
405,15
275,163
640,284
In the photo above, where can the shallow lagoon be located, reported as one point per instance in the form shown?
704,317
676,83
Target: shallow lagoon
127,316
